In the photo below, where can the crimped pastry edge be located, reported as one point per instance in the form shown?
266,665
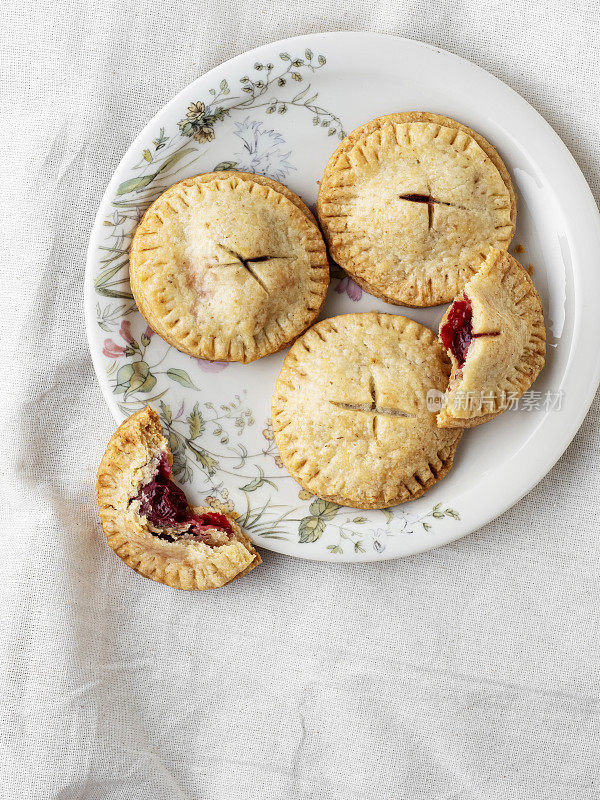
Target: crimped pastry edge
406,117
404,494
519,381
141,551
266,342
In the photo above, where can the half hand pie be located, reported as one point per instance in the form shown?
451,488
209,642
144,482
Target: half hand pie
409,204
350,413
228,266
147,519
494,332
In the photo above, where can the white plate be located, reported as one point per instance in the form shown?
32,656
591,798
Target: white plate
284,108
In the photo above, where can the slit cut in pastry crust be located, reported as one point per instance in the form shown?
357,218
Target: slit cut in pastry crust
409,204
350,410
228,266
147,519
494,333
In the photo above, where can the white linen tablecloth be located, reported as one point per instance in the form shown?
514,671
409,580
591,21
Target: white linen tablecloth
470,672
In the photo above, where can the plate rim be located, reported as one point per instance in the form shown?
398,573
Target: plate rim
586,321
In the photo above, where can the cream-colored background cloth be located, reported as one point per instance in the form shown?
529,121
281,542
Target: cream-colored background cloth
471,672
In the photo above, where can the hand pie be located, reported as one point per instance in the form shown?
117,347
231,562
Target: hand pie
494,332
147,519
228,266
350,414
410,203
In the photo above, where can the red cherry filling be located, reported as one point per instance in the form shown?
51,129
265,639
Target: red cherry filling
457,332
165,505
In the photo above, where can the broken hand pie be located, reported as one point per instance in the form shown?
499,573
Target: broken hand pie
495,335
410,203
228,266
147,519
350,414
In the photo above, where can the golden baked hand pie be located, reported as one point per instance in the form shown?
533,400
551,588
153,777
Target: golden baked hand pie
350,414
495,335
228,266
147,519
409,204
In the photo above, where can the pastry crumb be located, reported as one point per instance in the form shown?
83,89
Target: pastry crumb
519,249
529,270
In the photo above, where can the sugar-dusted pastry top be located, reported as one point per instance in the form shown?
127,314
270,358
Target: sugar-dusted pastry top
350,413
263,180
226,267
409,204
495,336
147,519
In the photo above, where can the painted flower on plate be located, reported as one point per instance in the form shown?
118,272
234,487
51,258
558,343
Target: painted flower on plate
212,366
225,506
125,331
263,150
379,540
112,349
348,286
197,123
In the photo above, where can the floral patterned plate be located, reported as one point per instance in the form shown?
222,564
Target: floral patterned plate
280,110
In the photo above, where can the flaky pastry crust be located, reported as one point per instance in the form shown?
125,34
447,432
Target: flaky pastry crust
409,204
509,348
263,180
350,414
228,267
127,465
